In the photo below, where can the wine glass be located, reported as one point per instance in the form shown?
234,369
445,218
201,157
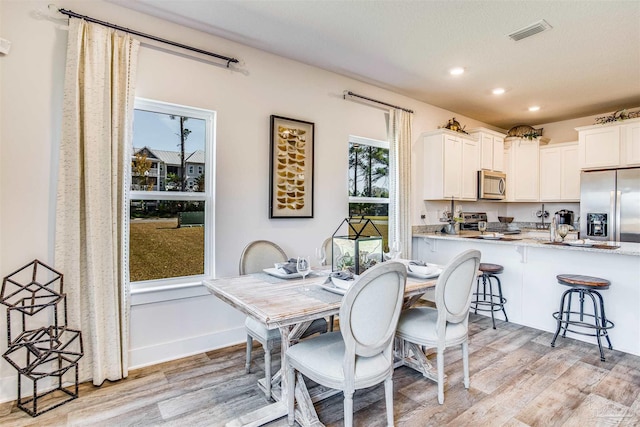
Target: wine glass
321,255
563,230
394,250
482,226
304,267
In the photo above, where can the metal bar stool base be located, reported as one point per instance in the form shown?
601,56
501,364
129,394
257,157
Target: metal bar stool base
488,301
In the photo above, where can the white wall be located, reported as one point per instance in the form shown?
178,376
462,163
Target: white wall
30,99
31,95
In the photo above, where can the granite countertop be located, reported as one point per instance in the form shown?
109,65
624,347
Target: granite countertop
535,240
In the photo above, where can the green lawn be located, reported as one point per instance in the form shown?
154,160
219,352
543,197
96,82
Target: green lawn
158,249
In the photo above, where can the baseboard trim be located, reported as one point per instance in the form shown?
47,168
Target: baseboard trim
177,349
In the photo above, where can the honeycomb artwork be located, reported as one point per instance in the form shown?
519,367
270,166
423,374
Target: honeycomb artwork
292,163
34,295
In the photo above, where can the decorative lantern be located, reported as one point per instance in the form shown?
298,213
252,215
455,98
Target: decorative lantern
356,246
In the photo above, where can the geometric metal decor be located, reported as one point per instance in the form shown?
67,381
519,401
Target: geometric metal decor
40,353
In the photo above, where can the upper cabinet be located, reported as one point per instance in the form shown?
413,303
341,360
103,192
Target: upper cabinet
450,165
559,173
522,158
610,145
491,146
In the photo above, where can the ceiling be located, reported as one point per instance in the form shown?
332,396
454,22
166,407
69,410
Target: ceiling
587,64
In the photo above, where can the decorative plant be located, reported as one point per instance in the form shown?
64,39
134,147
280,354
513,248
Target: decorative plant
618,116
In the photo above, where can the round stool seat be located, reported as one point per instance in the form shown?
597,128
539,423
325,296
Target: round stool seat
577,280
491,268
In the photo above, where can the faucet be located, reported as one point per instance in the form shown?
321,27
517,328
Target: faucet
542,214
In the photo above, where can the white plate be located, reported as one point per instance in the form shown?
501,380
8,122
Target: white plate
341,283
278,273
424,270
329,287
490,237
579,244
431,275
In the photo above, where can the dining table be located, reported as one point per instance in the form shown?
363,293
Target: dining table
291,305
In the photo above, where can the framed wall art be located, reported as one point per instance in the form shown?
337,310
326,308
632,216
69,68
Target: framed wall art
291,183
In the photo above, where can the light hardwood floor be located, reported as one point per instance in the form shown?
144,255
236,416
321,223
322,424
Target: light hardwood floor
517,379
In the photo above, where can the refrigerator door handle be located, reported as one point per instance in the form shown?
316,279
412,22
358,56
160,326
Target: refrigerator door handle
617,205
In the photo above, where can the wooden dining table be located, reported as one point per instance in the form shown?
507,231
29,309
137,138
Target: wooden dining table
287,305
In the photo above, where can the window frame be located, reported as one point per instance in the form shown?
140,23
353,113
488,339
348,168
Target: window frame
374,143
185,286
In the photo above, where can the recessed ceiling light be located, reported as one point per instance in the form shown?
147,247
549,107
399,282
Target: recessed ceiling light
456,71
498,91
534,108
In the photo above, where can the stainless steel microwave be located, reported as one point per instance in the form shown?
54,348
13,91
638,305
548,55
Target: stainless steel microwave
492,185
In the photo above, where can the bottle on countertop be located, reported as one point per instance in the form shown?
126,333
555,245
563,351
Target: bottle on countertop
552,230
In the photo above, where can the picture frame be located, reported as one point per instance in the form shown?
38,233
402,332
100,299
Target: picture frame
291,168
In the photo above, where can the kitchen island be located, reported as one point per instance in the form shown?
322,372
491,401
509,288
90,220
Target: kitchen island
529,279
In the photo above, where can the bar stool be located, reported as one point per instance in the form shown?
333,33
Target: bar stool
489,301
583,285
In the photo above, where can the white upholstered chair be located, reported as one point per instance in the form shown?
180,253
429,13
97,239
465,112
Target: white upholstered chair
360,355
447,324
256,256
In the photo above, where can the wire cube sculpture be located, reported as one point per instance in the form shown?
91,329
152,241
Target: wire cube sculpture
32,295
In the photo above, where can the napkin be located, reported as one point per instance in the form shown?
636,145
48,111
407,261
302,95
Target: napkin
342,275
288,267
416,262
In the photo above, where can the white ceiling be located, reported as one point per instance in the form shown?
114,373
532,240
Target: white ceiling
588,64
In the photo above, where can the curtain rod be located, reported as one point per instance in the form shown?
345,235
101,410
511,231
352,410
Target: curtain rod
349,93
147,36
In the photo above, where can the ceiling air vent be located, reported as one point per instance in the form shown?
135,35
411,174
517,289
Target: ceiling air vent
530,30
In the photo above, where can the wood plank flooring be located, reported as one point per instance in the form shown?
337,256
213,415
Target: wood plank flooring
517,379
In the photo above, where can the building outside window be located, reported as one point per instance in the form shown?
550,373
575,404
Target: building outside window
171,213
369,182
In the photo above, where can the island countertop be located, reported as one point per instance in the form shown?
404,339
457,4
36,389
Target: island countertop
526,239
529,280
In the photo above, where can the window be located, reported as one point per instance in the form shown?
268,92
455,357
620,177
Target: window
369,182
170,215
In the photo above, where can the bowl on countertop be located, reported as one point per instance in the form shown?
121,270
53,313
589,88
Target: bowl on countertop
505,219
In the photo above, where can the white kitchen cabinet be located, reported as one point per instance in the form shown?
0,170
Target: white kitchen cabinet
522,156
450,166
491,148
631,138
610,145
559,173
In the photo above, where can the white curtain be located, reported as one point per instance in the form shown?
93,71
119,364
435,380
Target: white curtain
97,123
400,179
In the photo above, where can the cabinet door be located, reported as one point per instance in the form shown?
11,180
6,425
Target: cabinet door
470,151
600,147
486,151
452,174
570,183
498,154
550,174
525,171
632,144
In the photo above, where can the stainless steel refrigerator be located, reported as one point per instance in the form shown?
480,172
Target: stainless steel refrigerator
610,205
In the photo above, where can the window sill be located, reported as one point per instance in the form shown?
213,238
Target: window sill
156,291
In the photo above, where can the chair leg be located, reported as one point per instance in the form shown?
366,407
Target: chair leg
440,363
291,390
465,363
247,365
348,408
388,392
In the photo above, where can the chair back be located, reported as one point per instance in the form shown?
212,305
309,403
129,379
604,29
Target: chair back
454,286
260,254
370,310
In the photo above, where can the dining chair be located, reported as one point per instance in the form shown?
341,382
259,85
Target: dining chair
446,325
255,257
360,355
